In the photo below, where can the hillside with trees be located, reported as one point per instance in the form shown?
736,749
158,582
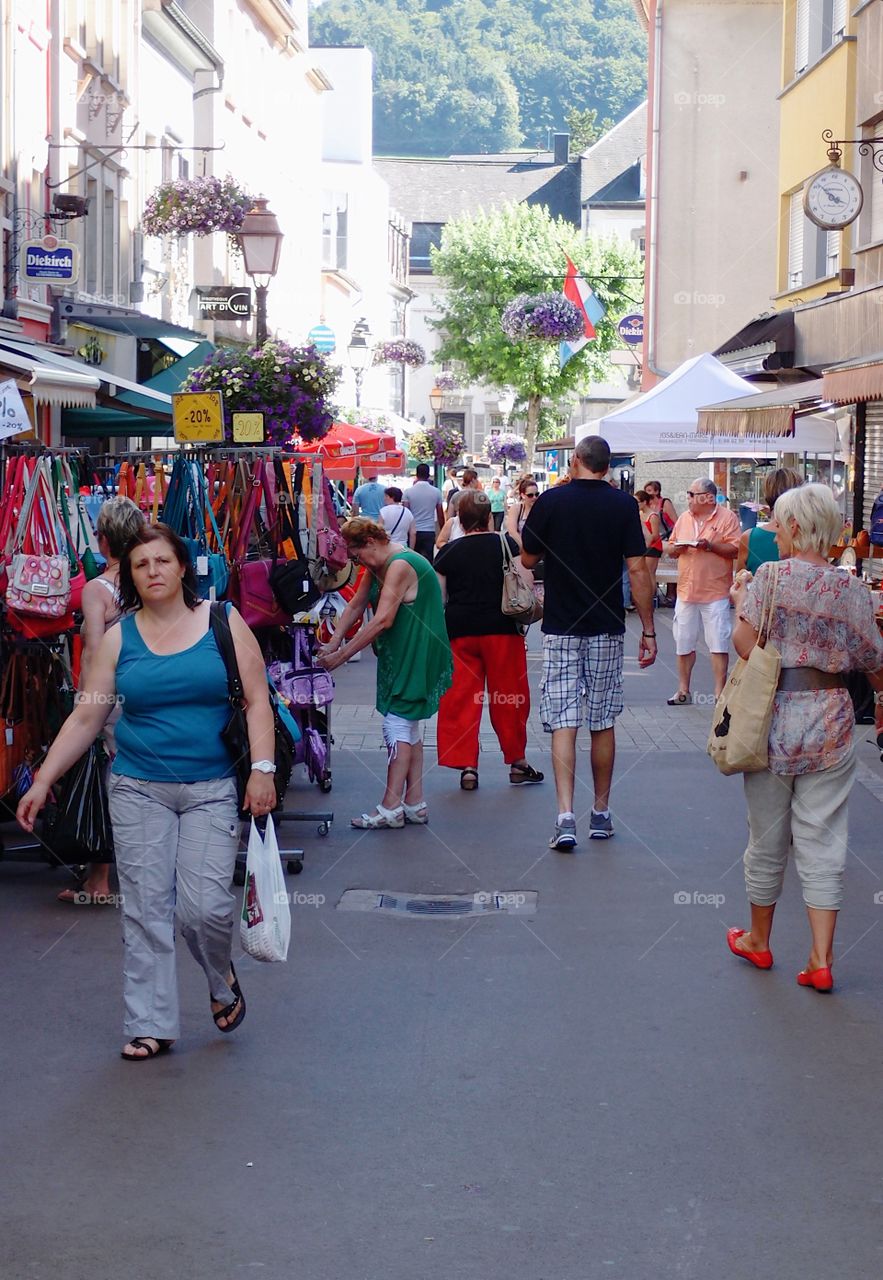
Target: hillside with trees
488,75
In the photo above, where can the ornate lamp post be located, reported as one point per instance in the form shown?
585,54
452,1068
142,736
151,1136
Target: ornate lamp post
261,242
436,400
359,353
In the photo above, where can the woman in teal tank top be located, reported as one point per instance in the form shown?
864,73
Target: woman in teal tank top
173,796
414,663
757,546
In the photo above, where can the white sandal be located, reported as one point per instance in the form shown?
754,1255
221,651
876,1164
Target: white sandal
383,819
416,813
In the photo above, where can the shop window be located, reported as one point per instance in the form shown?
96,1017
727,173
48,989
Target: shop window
334,229
424,236
820,24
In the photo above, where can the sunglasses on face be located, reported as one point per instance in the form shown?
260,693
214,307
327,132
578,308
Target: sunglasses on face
532,493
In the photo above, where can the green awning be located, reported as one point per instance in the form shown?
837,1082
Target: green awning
141,416
94,423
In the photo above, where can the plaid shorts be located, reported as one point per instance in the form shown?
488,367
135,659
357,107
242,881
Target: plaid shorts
582,681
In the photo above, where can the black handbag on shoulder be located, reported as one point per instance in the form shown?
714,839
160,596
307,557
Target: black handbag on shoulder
234,735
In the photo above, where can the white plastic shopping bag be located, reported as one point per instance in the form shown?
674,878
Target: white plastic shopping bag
265,924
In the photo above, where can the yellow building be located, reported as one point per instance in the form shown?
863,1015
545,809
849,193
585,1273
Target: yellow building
818,93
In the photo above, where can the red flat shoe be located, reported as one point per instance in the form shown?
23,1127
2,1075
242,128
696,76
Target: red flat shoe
822,979
760,959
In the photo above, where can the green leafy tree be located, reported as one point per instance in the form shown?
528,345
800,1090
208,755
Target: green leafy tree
486,260
584,128
488,75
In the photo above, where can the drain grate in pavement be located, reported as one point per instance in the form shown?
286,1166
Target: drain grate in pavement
436,905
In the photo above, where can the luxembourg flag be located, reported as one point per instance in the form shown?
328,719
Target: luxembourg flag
579,293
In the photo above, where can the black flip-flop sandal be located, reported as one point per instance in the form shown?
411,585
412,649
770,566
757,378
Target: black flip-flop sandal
141,1042
521,774
469,780
227,1012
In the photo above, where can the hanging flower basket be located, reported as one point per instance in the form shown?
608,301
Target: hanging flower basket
290,386
400,351
441,444
505,446
196,206
542,317
447,380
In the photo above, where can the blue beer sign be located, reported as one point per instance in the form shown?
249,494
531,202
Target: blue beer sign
631,329
50,259
323,339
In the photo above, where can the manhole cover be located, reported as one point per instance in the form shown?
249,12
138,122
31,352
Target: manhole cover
484,902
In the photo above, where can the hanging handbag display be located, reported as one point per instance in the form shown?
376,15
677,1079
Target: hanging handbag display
519,602
187,510
39,575
251,588
235,733
12,499
740,727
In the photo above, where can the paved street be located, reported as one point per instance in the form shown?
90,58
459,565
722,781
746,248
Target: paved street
597,1089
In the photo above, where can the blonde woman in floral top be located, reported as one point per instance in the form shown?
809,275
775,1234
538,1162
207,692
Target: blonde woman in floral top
823,626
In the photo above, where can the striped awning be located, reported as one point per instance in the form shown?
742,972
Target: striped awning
854,380
48,383
769,413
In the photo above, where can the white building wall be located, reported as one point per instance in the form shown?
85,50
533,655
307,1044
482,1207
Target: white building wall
716,174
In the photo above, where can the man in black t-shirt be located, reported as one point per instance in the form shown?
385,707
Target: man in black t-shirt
583,531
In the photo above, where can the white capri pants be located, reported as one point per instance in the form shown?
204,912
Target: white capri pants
397,729
716,624
806,813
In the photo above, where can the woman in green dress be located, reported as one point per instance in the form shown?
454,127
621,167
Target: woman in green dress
414,664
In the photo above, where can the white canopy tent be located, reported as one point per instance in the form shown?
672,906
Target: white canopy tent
664,420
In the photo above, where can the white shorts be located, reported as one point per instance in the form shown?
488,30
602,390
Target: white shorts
716,624
398,729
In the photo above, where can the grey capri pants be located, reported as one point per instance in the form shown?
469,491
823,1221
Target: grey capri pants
176,846
806,812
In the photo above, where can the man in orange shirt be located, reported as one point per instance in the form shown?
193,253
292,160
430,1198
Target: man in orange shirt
705,543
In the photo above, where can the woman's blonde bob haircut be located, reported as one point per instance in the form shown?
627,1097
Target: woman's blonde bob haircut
818,518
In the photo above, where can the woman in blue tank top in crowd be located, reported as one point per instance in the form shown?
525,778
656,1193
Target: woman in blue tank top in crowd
173,800
757,546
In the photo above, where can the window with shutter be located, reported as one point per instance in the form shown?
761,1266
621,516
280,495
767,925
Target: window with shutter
795,241
801,37
839,18
832,252
872,184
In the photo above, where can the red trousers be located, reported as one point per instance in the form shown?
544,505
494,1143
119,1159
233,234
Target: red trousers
498,662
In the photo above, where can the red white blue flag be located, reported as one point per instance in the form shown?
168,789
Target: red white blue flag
577,291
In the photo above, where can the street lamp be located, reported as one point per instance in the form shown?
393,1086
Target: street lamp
359,352
261,242
436,400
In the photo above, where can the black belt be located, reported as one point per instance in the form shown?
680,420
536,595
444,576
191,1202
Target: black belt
799,679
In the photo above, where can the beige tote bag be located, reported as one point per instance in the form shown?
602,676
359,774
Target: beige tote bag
740,727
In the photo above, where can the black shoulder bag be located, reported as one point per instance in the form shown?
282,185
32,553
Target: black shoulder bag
234,735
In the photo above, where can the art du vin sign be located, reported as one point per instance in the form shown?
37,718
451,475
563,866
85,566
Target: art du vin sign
223,302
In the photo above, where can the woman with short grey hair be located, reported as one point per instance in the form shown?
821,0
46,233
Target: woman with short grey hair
823,626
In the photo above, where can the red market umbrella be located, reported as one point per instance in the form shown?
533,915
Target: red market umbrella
345,441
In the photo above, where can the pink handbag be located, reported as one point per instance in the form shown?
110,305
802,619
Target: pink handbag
250,588
39,576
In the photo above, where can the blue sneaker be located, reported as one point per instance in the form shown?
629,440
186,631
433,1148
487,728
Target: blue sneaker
600,828
564,839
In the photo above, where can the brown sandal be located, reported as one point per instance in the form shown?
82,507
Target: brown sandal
469,780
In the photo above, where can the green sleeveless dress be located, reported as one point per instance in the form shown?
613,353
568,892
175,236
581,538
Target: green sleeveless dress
414,664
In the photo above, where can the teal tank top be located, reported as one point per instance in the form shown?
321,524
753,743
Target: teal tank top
762,547
174,707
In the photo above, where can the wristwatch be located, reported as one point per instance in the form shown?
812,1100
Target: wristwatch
264,766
